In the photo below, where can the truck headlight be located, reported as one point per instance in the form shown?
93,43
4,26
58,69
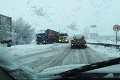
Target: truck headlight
84,39
85,45
59,40
66,40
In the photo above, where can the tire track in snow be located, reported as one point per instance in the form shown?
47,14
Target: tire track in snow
52,61
68,59
33,54
45,62
31,58
83,56
94,56
35,57
39,51
64,56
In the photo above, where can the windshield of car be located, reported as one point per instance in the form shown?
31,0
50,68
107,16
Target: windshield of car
38,38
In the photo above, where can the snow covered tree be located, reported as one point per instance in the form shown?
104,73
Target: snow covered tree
22,32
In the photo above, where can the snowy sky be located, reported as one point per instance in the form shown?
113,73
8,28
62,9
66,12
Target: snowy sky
58,14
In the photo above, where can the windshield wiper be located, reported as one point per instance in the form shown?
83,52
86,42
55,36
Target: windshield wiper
73,72
4,75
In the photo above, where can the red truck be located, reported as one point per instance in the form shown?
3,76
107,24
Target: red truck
47,37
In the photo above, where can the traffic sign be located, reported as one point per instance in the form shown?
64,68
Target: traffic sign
116,28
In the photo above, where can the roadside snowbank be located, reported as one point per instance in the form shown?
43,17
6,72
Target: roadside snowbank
103,41
110,52
7,62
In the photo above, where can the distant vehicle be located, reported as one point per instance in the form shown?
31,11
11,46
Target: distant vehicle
63,38
49,36
78,42
5,30
40,38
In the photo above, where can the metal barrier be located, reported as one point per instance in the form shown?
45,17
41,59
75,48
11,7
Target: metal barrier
106,45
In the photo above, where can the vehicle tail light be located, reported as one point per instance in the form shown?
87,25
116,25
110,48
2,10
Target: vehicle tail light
85,45
84,39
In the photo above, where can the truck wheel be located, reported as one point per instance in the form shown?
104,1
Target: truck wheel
8,45
71,47
83,47
38,43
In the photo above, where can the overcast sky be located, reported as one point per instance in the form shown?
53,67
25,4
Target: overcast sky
59,14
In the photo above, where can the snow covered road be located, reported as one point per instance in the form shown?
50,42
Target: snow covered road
58,55
83,56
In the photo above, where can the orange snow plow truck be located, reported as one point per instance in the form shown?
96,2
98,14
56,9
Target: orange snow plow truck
78,42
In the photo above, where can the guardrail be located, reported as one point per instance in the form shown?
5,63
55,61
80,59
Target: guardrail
105,44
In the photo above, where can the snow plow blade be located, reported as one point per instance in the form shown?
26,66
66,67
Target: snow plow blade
74,72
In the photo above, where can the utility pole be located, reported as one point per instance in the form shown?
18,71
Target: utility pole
116,37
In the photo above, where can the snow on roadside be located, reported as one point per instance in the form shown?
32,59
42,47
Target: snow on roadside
110,52
7,62
103,41
6,59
